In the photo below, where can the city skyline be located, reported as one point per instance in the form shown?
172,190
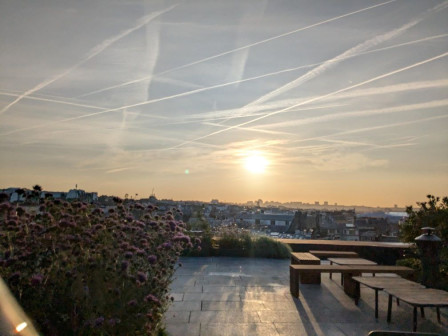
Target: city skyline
235,100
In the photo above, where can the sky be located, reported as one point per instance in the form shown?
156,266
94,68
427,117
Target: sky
288,100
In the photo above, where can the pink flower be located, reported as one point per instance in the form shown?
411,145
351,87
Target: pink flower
36,279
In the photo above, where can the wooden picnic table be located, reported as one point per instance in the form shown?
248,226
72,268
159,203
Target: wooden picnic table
380,283
296,271
350,262
334,254
417,297
306,258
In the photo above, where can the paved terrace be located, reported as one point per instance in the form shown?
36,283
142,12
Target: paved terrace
242,296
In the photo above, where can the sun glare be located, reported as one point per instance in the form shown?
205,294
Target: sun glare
256,163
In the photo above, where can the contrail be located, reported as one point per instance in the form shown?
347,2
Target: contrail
191,92
362,47
315,99
93,52
336,116
236,49
187,93
202,89
356,93
208,121
374,128
56,101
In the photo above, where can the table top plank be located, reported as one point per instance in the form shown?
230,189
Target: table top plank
334,254
304,256
381,269
352,261
354,268
321,268
386,282
420,296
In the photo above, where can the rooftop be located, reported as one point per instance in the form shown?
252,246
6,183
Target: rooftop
241,296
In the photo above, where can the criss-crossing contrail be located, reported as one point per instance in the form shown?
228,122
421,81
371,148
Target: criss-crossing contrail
92,53
374,128
362,113
314,99
243,109
53,100
212,87
396,88
362,47
236,49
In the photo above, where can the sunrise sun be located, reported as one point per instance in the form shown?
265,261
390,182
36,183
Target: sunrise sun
255,163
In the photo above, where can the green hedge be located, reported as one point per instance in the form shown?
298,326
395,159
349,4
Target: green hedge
241,244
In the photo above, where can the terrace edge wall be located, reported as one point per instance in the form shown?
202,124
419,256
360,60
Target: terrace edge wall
381,252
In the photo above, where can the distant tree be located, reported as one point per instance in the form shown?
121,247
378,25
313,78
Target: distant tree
35,193
20,193
37,187
432,213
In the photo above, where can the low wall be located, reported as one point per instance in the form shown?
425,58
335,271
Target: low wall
381,252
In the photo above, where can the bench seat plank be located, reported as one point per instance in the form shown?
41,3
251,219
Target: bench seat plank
417,297
334,254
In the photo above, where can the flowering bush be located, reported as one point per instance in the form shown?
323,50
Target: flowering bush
79,271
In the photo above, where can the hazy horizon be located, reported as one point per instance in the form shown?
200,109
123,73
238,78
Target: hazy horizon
235,100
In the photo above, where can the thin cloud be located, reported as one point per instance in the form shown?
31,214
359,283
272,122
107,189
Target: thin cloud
91,54
364,113
55,101
316,98
373,128
242,111
236,49
118,170
362,47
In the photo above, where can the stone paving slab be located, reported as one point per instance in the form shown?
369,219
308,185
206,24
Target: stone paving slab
245,297
185,306
212,297
233,306
239,329
295,329
207,317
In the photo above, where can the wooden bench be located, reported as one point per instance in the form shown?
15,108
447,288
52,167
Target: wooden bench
348,272
399,333
305,258
297,271
380,283
417,297
334,254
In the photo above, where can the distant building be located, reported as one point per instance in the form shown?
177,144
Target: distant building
350,232
81,195
274,222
